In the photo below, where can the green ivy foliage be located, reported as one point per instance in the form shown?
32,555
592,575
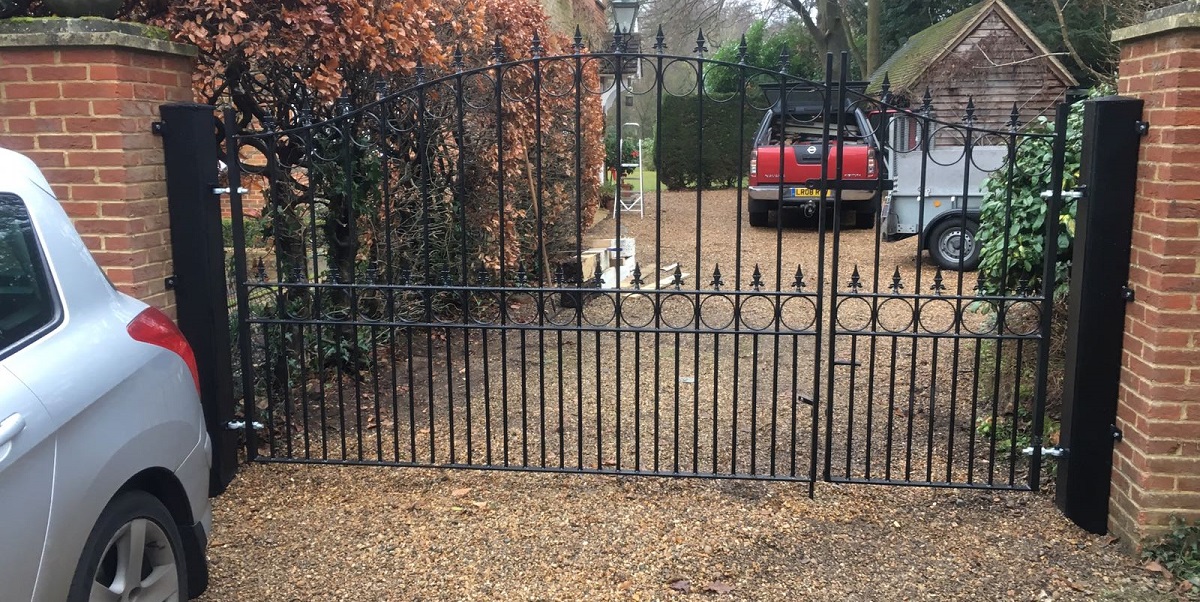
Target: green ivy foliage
680,162
1013,221
1178,550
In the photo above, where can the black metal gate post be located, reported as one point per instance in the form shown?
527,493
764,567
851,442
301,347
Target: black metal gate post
190,149
1099,293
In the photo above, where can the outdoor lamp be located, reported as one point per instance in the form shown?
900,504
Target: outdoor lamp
625,14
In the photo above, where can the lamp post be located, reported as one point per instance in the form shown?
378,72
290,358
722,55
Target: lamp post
624,13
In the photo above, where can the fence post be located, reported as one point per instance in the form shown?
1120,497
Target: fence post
1096,322
190,150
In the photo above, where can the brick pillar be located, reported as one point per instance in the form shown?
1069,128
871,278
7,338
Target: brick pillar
1157,465
78,96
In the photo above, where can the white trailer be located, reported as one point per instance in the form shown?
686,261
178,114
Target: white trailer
930,186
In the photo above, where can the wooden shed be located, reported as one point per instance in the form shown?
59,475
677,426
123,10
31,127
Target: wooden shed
983,53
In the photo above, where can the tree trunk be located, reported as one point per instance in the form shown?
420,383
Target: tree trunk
874,14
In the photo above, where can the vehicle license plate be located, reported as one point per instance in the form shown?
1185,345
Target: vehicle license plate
801,192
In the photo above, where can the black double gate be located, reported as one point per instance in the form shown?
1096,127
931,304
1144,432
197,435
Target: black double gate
425,275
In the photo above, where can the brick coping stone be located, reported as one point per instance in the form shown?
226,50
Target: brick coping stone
56,31
1185,15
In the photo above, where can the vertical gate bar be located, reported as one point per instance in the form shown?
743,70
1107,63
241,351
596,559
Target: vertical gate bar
501,209
658,91
302,278
850,419
822,226
241,290
315,279
464,273
1049,282
281,352
926,147
335,278
891,406
486,383
1003,301
577,272
373,270
523,334
735,380
619,245
541,245
882,141
968,159
837,234
1016,405
352,235
388,275
699,270
933,392
974,424
427,279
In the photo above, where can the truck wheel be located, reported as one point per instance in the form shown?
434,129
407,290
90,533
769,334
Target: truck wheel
760,219
954,241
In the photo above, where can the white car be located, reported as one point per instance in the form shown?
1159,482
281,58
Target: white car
104,457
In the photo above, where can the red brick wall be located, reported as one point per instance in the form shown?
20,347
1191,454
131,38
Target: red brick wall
83,114
1157,466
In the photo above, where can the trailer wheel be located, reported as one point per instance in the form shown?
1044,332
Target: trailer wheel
954,241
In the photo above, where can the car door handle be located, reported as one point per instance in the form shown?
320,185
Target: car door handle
10,427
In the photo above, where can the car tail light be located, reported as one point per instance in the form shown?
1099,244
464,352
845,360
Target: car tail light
871,164
754,163
153,327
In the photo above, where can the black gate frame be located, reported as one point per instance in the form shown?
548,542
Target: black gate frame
251,278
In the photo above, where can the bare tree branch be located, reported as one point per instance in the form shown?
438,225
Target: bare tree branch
1066,36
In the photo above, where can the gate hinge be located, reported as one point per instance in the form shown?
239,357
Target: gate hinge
1053,452
1127,293
157,128
219,191
171,282
1143,127
1117,435
240,425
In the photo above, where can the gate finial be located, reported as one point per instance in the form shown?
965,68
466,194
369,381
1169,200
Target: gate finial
700,48
756,281
497,50
896,285
969,117
1014,119
716,279
458,58
855,283
937,287
742,51
577,41
660,43
785,59
886,88
799,283
927,103
536,48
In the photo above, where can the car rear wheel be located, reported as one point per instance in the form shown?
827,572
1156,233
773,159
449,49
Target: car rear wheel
133,553
953,243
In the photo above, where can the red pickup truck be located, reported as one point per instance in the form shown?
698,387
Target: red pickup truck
802,147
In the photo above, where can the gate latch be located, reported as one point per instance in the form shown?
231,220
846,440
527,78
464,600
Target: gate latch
1075,194
220,191
240,425
1053,452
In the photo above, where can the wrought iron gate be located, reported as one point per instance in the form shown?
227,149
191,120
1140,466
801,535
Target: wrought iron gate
422,279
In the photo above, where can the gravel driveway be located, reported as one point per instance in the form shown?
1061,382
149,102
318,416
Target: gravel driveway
292,533
289,532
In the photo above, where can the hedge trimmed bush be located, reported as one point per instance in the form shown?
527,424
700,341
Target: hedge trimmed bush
678,158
